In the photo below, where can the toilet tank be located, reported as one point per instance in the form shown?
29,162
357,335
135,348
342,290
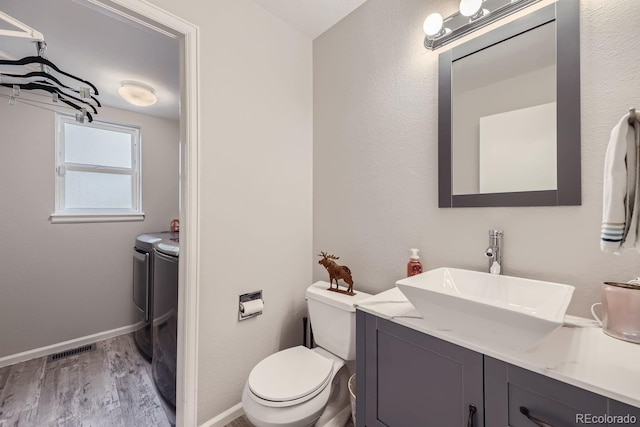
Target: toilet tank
333,319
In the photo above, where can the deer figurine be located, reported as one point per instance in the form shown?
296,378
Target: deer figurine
336,272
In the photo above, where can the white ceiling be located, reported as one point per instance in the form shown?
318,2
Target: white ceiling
310,17
99,48
105,50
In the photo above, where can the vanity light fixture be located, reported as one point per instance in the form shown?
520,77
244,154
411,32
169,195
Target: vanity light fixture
433,25
137,93
473,14
472,9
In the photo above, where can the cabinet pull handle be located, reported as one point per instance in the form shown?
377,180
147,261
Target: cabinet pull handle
524,411
472,411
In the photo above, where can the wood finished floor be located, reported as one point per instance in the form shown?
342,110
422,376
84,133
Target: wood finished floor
242,421
111,386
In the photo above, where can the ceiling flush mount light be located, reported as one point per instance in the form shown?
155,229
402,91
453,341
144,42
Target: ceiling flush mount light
137,93
473,14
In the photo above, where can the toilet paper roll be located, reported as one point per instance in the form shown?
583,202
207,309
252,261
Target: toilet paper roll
251,307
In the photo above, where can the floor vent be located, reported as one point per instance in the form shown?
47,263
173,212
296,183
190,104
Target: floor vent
72,352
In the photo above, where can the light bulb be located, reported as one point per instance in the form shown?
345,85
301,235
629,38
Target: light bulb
433,24
469,8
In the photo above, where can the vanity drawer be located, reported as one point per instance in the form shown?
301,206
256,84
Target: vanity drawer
510,390
554,411
623,410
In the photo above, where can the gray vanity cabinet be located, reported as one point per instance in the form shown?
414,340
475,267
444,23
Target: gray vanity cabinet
510,391
620,409
408,379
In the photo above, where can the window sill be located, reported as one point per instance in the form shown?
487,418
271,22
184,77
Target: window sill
67,218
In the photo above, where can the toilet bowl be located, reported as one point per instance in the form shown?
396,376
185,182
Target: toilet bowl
298,398
300,387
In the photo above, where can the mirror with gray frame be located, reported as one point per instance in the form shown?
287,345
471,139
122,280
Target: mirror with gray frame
509,114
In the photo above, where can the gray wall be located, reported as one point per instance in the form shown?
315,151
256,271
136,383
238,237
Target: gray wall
375,155
64,281
255,196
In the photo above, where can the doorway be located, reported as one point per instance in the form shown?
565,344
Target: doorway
160,20
154,19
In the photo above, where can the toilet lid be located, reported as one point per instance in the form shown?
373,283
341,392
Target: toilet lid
290,374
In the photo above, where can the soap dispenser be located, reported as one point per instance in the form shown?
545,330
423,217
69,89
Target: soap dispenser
414,266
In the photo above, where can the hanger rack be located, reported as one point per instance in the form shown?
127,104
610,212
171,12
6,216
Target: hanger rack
79,99
25,32
633,116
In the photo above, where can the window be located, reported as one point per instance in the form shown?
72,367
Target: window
97,172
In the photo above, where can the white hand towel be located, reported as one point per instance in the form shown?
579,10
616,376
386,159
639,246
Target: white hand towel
620,213
631,239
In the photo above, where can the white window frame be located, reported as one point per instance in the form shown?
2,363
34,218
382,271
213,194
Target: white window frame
62,215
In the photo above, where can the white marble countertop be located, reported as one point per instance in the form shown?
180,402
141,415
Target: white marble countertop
579,353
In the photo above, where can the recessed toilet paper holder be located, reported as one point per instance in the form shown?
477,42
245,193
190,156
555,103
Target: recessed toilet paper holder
248,304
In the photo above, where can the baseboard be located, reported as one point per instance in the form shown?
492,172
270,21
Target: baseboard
226,417
66,345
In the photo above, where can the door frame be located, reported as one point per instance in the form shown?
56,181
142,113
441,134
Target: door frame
143,13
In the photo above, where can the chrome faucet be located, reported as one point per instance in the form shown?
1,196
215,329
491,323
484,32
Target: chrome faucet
494,251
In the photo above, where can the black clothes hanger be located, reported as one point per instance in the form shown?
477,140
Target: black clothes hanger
62,92
40,60
62,96
50,89
49,77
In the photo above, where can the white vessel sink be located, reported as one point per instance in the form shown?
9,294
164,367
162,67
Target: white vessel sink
488,308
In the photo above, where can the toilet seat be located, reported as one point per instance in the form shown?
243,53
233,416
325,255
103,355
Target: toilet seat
306,411
290,377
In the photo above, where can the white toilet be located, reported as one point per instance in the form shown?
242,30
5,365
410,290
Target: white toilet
300,387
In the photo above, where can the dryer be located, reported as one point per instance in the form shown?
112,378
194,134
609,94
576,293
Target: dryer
143,289
165,317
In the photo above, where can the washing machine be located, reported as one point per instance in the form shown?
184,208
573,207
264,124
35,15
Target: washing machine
166,254
143,289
